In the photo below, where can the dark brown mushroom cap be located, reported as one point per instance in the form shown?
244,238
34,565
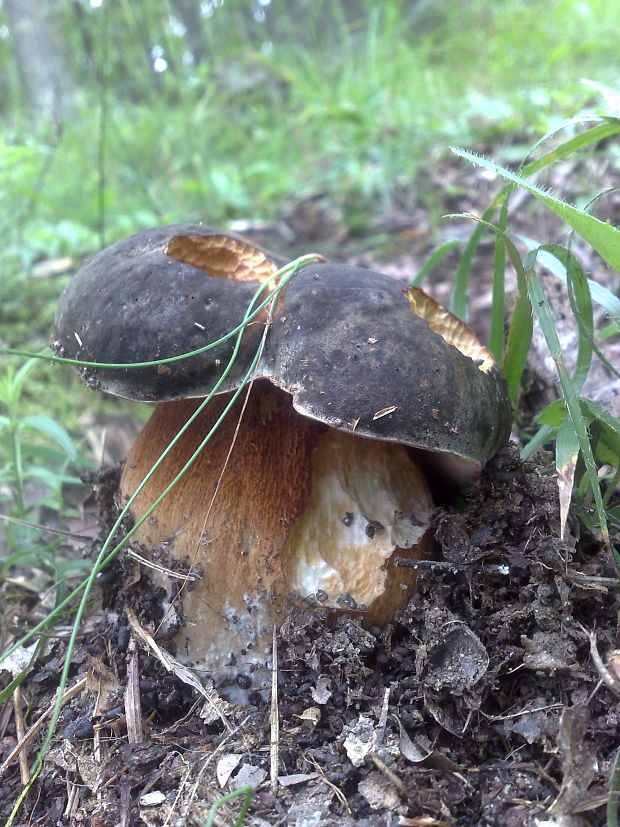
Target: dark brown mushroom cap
161,293
355,349
348,346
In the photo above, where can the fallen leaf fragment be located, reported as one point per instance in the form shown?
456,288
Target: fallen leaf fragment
296,778
311,716
226,766
410,750
379,792
384,412
250,776
152,799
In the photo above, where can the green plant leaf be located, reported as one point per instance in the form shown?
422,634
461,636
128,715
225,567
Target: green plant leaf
50,476
608,424
70,566
458,305
604,238
22,374
498,303
433,260
612,329
7,691
50,428
540,437
604,128
601,295
611,96
246,792
541,307
566,455
580,302
554,414
521,327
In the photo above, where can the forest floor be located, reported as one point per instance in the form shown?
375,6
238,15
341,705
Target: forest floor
482,704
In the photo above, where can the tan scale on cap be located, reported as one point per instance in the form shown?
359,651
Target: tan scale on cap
222,256
450,328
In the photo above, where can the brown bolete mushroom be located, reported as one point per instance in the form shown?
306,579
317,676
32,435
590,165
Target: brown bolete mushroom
318,476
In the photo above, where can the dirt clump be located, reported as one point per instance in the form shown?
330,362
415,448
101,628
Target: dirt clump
479,705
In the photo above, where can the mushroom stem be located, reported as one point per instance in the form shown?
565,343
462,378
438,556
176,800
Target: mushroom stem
295,511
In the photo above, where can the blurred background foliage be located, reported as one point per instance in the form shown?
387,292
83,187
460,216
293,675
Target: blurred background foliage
121,114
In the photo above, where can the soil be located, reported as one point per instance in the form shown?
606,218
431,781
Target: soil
485,702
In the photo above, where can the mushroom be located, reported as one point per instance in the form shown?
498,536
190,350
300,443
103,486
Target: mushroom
319,475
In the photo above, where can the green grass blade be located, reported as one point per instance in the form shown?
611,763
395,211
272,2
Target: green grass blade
518,344
602,130
566,455
541,307
551,420
608,127
540,437
607,332
458,305
609,425
242,791
433,260
498,303
604,238
45,425
611,96
521,327
554,414
581,304
601,295
612,488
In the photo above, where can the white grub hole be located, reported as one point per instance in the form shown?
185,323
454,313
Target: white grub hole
368,498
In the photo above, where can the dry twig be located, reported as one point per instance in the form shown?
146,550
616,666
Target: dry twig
34,729
274,743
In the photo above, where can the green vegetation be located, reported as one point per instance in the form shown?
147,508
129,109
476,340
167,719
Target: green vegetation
354,100
245,792
580,428
37,452
343,98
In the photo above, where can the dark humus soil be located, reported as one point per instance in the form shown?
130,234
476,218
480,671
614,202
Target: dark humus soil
480,705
